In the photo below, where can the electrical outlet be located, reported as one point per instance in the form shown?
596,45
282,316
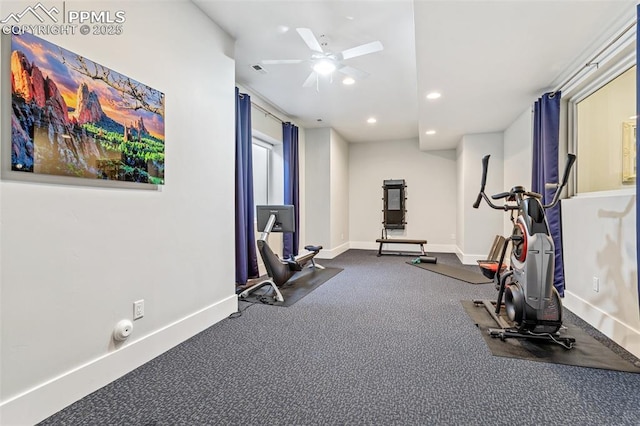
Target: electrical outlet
138,309
596,284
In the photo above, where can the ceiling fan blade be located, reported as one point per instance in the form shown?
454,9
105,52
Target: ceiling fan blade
364,49
353,72
281,61
311,80
309,39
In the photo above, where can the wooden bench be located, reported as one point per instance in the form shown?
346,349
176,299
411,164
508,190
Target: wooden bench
400,241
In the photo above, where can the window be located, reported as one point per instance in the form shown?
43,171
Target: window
605,125
261,170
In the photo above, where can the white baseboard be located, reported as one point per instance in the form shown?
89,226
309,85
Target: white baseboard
48,398
331,253
621,333
469,259
363,245
441,248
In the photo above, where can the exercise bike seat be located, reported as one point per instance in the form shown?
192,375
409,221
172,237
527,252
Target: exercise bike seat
314,249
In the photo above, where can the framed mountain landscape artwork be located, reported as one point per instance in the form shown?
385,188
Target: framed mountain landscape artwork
73,117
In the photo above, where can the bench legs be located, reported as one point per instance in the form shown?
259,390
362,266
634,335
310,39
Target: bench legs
422,252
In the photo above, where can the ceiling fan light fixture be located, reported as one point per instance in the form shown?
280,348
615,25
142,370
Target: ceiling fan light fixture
324,67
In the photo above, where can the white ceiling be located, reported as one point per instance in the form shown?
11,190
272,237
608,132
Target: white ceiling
490,59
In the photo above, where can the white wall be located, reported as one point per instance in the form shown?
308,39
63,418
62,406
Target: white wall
339,193
318,186
431,193
599,240
264,126
518,156
481,225
461,200
327,191
74,257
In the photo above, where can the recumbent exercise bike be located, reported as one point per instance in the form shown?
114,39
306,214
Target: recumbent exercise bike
531,301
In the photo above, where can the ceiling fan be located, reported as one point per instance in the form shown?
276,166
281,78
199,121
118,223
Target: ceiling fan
326,62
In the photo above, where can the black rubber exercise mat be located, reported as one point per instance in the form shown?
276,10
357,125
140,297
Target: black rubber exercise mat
586,351
454,272
301,284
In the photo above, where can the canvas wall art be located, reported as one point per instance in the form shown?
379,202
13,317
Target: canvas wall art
73,117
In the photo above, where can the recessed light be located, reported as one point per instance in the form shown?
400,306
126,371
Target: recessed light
372,120
430,132
282,29
348,81
433,95
350,18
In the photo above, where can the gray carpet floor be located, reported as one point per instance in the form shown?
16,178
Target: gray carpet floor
381,343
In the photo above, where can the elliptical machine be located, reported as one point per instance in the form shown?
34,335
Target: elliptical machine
531,301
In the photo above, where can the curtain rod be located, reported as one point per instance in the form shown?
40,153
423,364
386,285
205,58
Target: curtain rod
589,62
267,112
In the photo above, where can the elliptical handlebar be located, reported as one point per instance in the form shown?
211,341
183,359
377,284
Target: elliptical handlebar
485,165
501,195
567,168
481,194
556,197
478,200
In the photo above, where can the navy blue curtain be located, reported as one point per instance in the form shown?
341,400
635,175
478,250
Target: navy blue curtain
637,146
246,259
291,241
546,138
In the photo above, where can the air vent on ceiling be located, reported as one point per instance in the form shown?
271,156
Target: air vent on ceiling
259,69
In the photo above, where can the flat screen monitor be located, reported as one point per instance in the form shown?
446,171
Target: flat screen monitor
285,220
